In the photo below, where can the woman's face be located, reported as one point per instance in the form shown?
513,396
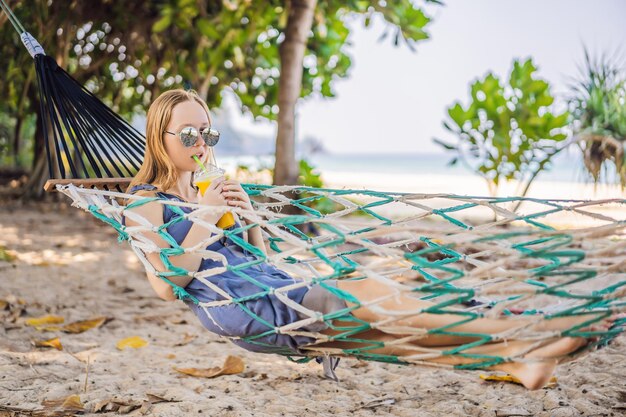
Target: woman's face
188,113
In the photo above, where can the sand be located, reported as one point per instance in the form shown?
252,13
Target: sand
69,264
471,185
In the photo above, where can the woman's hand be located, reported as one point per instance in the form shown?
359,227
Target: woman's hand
235,195
213,194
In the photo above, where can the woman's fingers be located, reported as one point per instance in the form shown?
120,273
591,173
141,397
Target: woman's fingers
236,194
217,183
239,203
228,186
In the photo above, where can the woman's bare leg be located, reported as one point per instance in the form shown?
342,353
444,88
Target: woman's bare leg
368,289
534,364
534,369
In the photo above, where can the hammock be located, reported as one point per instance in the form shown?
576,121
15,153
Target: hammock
440,248
472,257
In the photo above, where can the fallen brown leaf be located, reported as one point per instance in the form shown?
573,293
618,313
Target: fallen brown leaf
510,378
84,355
53,343
232,365
131,342
379,402
178,320
359,364
84,325
186,339
117,405
121,406
44,321
11,309
71,403
155,399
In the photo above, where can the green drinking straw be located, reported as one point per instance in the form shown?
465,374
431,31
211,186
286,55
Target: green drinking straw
195,157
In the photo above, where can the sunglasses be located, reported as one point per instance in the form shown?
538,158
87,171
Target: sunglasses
189,136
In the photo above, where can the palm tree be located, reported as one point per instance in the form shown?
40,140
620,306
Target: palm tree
598,105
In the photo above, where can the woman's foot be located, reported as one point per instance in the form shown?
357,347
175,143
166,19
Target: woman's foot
536,373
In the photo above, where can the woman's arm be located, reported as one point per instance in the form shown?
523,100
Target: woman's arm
153,213
256,238
235,196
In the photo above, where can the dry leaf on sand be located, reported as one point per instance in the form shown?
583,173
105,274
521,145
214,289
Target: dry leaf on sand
186,339
126,406
53,343
61,407
178,320
155,399
44,321
232,365
131,342
71,403
84,325
117,405
510,378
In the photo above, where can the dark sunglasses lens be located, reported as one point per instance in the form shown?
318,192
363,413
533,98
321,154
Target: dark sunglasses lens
210,136
188,136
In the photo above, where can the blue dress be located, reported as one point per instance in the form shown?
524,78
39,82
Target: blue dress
233,320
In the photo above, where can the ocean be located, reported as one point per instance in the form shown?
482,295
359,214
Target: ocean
566,167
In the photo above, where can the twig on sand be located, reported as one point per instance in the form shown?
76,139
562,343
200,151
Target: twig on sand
86,374
387,400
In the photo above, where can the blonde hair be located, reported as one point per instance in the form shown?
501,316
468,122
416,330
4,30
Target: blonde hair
157,168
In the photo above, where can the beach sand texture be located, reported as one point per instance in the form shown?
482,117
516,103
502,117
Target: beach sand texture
61,261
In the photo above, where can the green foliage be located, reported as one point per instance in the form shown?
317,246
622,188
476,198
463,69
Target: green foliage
128,52
309,175
507,131
94,45
235,45
598,104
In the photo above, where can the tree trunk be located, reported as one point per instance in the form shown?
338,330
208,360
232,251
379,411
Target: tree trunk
299,23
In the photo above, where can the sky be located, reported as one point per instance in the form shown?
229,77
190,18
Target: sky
394,100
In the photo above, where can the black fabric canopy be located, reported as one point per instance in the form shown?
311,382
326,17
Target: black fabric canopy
84,138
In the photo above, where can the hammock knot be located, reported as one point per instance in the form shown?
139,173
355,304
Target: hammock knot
182,294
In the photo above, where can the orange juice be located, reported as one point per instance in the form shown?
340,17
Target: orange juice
203,181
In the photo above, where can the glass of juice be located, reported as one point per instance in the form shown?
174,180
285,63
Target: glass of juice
202,179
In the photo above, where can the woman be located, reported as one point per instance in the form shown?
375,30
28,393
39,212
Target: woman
167,173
